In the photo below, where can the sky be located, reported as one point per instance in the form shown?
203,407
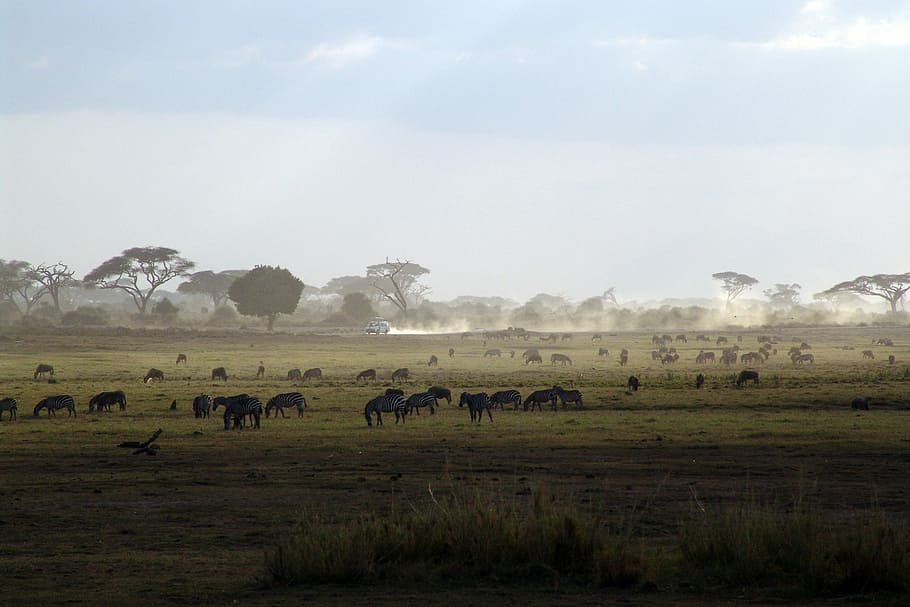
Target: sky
511,147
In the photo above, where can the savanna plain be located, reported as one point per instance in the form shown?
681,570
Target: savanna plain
685,496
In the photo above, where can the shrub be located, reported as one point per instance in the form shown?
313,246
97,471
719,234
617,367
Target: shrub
86,316
224,316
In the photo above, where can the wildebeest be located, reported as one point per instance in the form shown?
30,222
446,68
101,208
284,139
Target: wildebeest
655,355
433,362
315,373
294,374
42,369
560,358
702,337
104,400
367,375
668,359
181,358
529,352
860,402
868,354
451,352
492,352
603,352
885,341
401,374
633,383
751,357
533,358
441,393
153,373
219,373
682,338
745,376
699,381
596,337
720,340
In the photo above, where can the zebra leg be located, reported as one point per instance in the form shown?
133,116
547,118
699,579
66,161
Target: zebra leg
490,413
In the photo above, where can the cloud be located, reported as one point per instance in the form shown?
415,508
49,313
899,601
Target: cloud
339,55
818,28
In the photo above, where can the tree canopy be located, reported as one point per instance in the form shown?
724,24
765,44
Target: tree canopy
783,294
356,306
890,287
54,278
266,291
211,284
734,283
139,272
397,281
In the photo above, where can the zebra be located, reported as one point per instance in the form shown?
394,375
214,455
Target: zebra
476,404
541,396
315,373
401,374
219,373
238,407
421,399
153,373
202,405
288,399
53,403
367,375
385,404
433,362
43,369
9,404
104,400
294,374
568,396
561,358
181,358
441,393
506,396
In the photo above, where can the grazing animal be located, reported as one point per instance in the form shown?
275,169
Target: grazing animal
891,359
385,404
860,402
655,355
42,369
451,352
569,396
493,352
433,362
669,359
885,341
421,399
104,400
745,376
751,357
181,358
720,340
539,397
533,358
476,404
9,404
441,393
699,381
54,403
401,374
596,337
237,408
506,396
219,373
394,392
868,354
315,373
566,337
560,358
801,358
202,405
682,338
702,337
603,352
367,375
633,383
294,374
287,399
153,374
260,372
174,405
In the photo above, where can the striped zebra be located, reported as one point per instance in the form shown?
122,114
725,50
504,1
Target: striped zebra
386,404
8,404
539,397
238,407
441,393
287,399
104,400
202,404
568,396
421,399
476,404
53,403
506,396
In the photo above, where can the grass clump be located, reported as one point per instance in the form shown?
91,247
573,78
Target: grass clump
460,537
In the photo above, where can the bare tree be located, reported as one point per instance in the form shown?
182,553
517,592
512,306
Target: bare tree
890,287
609,296
138,272
397,282
734,284
54,278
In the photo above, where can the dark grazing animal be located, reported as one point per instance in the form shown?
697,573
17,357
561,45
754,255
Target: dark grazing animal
539,397
219,373
533,358
745,376
603,352
53,403
294,374
860,402
596,337
868,354
891,359
237,408
506,396
104,400
367,375
560,358
493,352
433,362
633,383
421,399
42,369
287,399
202,404
315,373
260,372
401,374
699,381
386,404
441,393
181,358
451,352
153,374
623,357
477,403
9,404
569,396
799,359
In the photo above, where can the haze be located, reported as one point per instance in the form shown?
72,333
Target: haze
561,147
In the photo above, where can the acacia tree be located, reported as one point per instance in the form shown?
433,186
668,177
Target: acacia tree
138,272
211,284
19,283
890,287
54,278
266,292
783,294
356,306
397,282
734,284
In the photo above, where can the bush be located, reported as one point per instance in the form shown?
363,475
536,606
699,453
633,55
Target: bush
223,317
86,316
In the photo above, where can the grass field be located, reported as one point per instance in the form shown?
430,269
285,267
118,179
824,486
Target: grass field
87,523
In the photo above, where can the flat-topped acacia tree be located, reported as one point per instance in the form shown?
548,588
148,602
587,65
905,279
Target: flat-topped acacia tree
267,292
734,284
890,287
138,272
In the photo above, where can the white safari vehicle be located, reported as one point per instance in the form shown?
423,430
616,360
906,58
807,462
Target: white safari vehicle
378,325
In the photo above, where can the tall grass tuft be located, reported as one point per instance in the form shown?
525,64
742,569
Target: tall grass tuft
461,537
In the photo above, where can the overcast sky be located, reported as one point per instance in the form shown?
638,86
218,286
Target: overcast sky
511,147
